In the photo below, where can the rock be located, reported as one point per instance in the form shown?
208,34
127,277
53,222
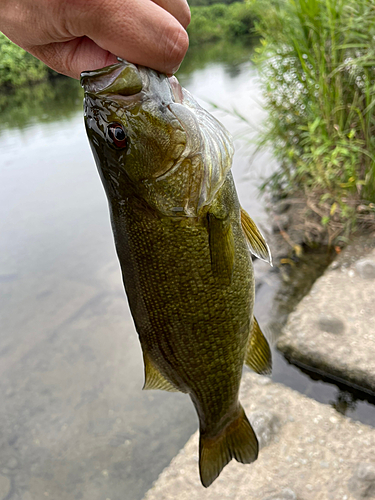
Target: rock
281,207
266,425
335,265
366,268
280,223
12,463
363,209
342,305
331,324
4,487
312,457
362,483
286,494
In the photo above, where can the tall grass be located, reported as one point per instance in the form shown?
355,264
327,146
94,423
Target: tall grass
318,62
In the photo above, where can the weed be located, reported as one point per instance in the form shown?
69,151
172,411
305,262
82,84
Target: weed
317,58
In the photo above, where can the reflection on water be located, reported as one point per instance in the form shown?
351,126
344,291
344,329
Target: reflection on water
230,56
345,402
46,102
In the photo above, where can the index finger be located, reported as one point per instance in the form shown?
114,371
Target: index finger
139,31
178,8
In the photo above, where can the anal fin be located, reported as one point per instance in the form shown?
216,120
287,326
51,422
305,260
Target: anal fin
255,239
154,379
258,355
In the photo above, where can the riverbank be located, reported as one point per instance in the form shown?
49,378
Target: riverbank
316,60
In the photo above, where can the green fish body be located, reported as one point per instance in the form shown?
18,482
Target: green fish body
183,242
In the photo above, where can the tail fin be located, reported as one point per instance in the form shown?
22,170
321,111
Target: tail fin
237,440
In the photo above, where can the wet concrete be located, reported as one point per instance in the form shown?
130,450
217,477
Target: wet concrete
308,452
332,330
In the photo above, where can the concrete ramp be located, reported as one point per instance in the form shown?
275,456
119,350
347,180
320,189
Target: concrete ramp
308,452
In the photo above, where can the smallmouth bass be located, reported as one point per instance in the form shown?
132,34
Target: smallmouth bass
183,242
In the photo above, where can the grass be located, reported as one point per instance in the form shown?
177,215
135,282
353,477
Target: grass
318,65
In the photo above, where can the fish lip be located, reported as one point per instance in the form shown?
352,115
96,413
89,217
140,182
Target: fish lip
121,78
176,90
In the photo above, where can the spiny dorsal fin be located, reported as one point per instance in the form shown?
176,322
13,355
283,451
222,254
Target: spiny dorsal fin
221,248
255,239
258,354
154,379
237,440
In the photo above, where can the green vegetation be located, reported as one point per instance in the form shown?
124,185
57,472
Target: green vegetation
318,62
220,21
18,67
204,3
47,101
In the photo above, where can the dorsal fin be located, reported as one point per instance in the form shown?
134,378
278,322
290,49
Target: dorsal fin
255,239
258,354
154,379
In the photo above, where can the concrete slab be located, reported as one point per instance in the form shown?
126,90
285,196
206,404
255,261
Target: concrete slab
333,327
309,452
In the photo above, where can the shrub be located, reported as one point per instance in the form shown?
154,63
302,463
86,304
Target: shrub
220,21
318,64
18,67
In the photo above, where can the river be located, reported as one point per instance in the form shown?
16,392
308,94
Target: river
74,421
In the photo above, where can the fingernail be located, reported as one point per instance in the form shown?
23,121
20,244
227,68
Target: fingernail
174,70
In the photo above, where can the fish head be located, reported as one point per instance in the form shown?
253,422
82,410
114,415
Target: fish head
146,130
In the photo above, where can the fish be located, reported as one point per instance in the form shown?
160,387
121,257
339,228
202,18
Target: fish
184,244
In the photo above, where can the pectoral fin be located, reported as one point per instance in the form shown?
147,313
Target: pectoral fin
154,379
258,355
221,247
255,239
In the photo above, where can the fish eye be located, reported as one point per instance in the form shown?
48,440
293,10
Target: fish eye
117,134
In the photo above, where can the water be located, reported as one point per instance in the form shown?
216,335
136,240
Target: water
75,423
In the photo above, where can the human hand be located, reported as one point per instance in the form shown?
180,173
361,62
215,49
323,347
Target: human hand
72,36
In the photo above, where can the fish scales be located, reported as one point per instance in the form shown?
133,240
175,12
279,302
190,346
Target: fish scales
182,242
171,304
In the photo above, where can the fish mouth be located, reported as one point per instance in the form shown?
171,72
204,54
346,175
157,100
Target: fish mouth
118,79
130,82
176,90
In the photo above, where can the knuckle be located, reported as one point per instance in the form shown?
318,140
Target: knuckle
80,14
186,16
176,46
